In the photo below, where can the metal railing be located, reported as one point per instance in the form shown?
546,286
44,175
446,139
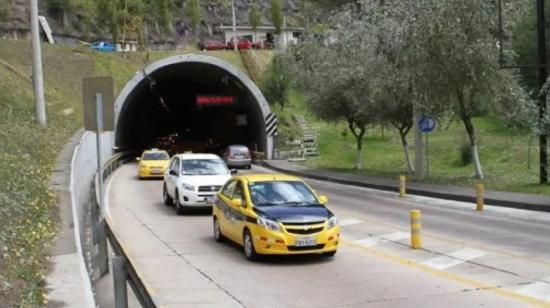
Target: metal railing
123,270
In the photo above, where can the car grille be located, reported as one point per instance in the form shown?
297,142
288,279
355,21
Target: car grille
209,188
303,223
304,231
300,248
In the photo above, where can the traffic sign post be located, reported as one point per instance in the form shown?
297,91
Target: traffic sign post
427,124
98,101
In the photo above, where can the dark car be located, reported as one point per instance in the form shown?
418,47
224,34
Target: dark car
237,156
212,45
242,43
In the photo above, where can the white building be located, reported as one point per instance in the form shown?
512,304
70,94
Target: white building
288,35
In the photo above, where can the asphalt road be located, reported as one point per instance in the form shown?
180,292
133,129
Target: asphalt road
497,258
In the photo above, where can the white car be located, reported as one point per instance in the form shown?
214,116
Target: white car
193,180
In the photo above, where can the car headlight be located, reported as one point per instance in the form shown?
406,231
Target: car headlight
188,187
332,222
269,224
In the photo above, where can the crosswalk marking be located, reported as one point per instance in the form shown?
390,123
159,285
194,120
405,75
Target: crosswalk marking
539,290
349,222
381,239
454,259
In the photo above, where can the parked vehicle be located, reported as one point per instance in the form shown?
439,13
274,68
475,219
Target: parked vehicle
274,214
242,43
259,45
192,180
153,163
212,45
237,156
103,46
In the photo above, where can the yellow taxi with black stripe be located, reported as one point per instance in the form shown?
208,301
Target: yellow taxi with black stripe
274,214
153,163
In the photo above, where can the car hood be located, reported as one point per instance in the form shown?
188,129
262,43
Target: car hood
295,214
200,180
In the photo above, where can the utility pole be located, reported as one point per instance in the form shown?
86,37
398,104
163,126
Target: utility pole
541,36
37,78
235,40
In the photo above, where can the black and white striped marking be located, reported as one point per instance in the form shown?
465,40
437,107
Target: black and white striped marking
271,125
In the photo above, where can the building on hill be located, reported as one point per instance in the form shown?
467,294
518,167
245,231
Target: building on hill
265,34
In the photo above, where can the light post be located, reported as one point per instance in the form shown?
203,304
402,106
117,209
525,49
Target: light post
235,40
37,76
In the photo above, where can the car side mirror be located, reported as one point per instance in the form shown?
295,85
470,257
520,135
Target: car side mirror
138,158
238,203
323,199
173,172
234,171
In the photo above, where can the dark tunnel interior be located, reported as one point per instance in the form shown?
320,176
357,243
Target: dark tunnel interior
164,111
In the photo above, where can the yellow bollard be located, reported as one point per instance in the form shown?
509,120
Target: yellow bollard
416,228
402,186
480,190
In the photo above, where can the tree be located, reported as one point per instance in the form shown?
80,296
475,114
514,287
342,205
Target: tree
5,10
276,82
461,62
195,15
277,16
254,18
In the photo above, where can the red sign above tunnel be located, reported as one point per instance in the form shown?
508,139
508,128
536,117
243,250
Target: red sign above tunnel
213,100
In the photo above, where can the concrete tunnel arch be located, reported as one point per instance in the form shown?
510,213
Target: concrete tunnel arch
160,100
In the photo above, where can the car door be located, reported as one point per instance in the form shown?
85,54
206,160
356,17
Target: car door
239,211
171,179
223,205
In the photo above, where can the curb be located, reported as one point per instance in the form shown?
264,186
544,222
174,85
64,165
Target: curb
494,201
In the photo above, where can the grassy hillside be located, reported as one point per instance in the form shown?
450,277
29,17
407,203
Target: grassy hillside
509,162
28,218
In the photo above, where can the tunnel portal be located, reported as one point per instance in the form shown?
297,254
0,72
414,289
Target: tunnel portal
191,103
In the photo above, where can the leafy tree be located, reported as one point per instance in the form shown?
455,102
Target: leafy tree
195,15
255,18
5,10
276,82
461,64
277,16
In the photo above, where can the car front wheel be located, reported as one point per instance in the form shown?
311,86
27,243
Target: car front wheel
218,236
180,210
248,247
168,201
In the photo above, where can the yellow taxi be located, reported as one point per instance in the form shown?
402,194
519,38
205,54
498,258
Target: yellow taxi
153,163
274,214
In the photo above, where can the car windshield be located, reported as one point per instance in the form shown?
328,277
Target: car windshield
287,193
156,156
203,167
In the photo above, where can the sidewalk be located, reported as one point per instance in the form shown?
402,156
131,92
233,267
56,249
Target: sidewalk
497,198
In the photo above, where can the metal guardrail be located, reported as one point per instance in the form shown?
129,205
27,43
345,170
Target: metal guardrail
123,269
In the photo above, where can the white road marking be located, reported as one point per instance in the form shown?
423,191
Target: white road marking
539,290
382,239
454,259
349,222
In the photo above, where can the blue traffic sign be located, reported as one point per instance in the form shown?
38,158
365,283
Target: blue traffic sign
426,124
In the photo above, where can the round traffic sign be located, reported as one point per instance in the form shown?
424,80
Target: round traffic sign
426,124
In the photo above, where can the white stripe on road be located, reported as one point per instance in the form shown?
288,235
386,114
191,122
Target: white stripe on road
349,222
539,290
382,239
454,259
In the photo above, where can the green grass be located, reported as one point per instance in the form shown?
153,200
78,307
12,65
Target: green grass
504,155
28,213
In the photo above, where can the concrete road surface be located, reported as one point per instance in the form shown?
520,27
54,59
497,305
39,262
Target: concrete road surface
497,258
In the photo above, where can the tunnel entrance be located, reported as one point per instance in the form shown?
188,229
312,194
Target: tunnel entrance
191,103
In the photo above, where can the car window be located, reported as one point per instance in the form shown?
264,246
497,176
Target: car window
175,165
155,156
238,192
228,189
287,193
203,167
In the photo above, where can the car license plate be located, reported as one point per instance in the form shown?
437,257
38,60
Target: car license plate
305,242
239,156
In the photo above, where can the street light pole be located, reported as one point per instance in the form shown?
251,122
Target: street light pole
541,35
235,40
37,77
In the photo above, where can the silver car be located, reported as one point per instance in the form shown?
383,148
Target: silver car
237,156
